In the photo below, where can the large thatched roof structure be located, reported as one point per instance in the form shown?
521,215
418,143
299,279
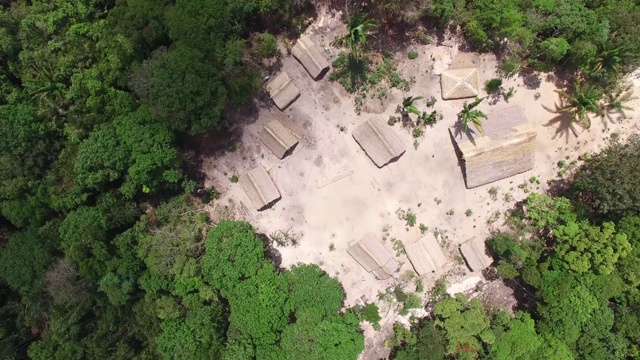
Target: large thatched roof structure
374,257
277,138
474,253
282,90
259,187
459,83
379,141
310,56
507,147
426,255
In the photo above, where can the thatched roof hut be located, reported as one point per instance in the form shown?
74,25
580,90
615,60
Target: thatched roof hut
459,83
374,257
426,255
379,141
507,147
282,90
277,137
259,187
310,56
474,253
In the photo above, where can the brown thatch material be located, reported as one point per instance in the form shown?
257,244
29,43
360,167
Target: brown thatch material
259,187
426,255
310,56
282,90
379,141
374,257
459,83
506,149
474,253
277,138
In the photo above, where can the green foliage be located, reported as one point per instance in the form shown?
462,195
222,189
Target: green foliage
267,45
370,313
24,260
469,115
493,85
412,55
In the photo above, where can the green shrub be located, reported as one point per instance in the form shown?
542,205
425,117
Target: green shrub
493,85
412,55
233,179
371,314
267,45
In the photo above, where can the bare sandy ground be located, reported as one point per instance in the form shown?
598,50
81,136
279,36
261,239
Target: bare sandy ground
332,193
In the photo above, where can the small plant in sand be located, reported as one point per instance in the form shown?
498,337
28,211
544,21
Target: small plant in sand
419,285
423,228
460,260
468,213
409,107
431,101
285,238
410,218
493,192
412,55
332,247
469,115
412,301
234,179
537,96
509,94
422,37
398,246
450,212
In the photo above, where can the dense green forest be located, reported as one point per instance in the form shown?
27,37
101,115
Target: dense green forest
105,251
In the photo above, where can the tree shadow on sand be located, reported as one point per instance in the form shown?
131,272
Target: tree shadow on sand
563,121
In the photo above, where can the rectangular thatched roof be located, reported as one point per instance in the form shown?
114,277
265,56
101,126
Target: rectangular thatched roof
507,147
474,253
282,90
426,255
379,141
277,137
459,83
374,257
259,187
310,56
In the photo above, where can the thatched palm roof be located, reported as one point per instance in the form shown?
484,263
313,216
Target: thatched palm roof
379,141
282,90
310,56
259,187
426,255
277,137
459,83
374,257
507,147
474,253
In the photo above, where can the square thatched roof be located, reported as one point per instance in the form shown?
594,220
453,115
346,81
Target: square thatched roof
426,255
278,138
507,147
259,187
374,257
459,83
474,253
310,56
282,90
379,141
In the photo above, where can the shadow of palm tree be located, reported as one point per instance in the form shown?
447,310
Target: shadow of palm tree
459,131
564,121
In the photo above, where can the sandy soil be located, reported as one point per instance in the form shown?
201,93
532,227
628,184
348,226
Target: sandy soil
332,193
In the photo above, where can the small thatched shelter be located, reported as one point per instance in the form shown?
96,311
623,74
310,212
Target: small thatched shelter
282,90
426,255
259,187
310,56
507,147
459,83
379,141
277,138
474,253
374,257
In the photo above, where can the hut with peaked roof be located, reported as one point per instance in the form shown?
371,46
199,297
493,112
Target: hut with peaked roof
310,56
282,90
475,255
379,141
506,148
426,255
278,138
260,188
371,254
459,83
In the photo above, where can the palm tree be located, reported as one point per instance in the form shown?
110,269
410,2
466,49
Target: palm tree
584,99
409,107
470,115
358,30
